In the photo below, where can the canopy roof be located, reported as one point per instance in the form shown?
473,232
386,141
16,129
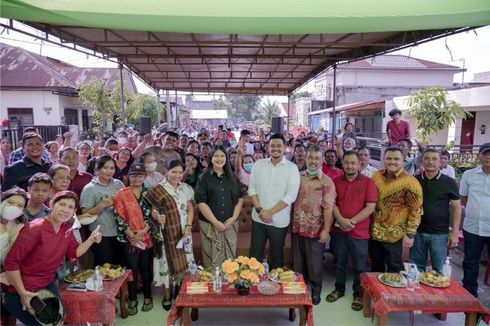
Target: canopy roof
251,47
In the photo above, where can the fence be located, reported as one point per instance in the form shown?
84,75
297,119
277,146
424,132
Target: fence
47,133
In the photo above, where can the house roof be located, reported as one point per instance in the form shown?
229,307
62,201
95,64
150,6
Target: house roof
292,109
395,62
22,69
352,107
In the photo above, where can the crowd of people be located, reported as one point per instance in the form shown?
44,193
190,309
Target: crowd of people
146,189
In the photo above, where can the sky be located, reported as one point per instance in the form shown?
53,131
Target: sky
471,49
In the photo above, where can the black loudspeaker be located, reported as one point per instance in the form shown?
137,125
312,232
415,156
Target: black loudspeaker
277,124
145,125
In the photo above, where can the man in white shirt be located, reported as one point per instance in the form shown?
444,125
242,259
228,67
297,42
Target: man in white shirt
273,187
445,167
244,140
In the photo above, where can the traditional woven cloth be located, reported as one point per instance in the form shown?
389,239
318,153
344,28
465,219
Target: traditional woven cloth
172,232
217,246
128,207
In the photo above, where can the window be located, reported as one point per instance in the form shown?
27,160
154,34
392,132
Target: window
20,117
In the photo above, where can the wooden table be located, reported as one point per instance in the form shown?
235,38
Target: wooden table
228,298
383,299
96,307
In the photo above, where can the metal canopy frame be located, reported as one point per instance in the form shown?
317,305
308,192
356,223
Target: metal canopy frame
229,63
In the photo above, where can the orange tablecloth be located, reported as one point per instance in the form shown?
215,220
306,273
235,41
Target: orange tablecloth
426,299
229,298
93,307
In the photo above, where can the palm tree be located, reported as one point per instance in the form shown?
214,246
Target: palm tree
269,110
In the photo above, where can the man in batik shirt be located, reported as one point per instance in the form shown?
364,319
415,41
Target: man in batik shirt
312,219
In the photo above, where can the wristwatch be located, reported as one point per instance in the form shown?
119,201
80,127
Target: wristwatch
410,235
259,210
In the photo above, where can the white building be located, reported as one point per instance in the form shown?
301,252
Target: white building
373,80
41,91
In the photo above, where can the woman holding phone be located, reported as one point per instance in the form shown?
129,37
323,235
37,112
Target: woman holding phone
48,240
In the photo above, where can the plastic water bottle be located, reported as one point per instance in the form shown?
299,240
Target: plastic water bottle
193,267
446,268
412,277
98,282
266,266
217,283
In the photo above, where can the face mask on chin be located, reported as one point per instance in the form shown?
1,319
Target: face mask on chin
312,172
10,213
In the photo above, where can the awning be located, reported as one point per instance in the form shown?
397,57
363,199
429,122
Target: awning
248,47
352,107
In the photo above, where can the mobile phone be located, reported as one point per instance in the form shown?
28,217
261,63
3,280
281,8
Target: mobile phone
37,304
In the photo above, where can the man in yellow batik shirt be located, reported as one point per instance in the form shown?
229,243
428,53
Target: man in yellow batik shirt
397,214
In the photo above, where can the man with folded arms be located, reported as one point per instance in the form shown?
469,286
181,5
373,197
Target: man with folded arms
312,219
356,201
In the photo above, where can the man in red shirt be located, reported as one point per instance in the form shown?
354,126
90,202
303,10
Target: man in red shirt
328,167
356,201
397,129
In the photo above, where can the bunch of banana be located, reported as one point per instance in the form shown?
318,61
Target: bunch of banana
287,276
205,276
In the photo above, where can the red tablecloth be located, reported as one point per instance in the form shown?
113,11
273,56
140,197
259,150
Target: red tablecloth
93,307
229,298
426,299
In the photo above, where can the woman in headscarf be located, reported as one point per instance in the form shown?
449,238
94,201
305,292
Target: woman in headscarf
220,200
174,199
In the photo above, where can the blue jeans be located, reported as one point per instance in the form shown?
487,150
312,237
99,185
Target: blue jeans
473,247
428,243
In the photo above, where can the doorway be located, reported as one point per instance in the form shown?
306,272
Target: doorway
468,133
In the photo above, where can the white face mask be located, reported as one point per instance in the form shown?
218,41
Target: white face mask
111,153
151,166
122,140
10,213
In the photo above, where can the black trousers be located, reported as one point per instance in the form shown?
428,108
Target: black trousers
386,257
109,250
139,261
276,236
308,260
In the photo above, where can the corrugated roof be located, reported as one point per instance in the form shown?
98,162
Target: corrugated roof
209,114
20,68
396,62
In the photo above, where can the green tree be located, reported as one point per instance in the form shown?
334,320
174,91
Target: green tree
299,95
269,110
433,111
144,105
240,107
105,101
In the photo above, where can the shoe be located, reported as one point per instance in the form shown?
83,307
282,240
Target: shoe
357,303
147,305
133,310
334,296
167,304
316,299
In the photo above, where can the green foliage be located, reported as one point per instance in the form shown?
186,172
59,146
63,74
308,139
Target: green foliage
239,107
299,95
268,110
144,105
105,101
433,111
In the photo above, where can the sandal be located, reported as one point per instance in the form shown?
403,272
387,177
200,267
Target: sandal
147,305
357,304
133,310
167,304
334,296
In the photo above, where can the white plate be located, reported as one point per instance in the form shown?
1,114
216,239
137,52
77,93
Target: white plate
87,220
